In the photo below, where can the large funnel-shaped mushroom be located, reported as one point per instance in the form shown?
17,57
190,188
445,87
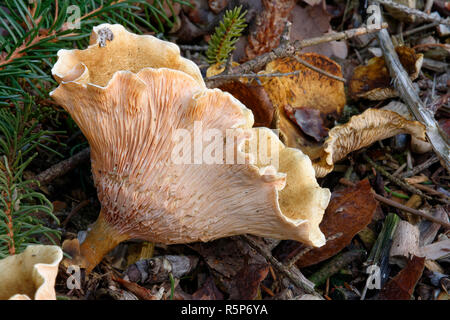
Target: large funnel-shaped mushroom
132,96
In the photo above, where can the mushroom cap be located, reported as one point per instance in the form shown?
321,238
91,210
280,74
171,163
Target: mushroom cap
308,88
133,123
361,131
30,274
112,48
373,81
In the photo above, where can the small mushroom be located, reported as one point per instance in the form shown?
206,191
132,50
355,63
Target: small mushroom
30,274
130,99
373,81
361,131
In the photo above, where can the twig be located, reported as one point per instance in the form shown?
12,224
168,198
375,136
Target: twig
334,265
307,249
74,211
193,47
400,206
62,167
432,191
404,86
227,75
297,278
395,180
289,50
415,12
418,29
420,167
306,64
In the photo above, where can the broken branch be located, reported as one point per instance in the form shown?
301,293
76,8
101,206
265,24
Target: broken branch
289,50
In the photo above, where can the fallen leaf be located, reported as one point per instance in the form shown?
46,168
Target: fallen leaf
247,281
139,291
350,210
265,34
401,287
309,120
208,291
235,266
313,21
254,97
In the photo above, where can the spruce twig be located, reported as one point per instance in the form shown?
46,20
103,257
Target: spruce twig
225,36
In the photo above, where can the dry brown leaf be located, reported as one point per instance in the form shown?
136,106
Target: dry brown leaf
313,21
235,266
208,291
251,94
373,81
254,97
247,281
141,292
350,210
309,120
265,34
401,287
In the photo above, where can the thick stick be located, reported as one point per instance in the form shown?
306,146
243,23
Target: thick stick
62,167
407,93
415,12
292,273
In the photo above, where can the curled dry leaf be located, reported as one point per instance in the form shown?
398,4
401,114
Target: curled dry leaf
30,274
350,210
361,131
131,98
373,81
401,287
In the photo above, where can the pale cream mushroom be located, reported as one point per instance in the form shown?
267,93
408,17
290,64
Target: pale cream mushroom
30,274
129,102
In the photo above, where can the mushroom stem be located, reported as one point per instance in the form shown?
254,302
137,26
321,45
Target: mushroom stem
101,239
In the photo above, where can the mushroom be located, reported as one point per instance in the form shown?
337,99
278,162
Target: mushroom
30,274
361,131
139,104
373,81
